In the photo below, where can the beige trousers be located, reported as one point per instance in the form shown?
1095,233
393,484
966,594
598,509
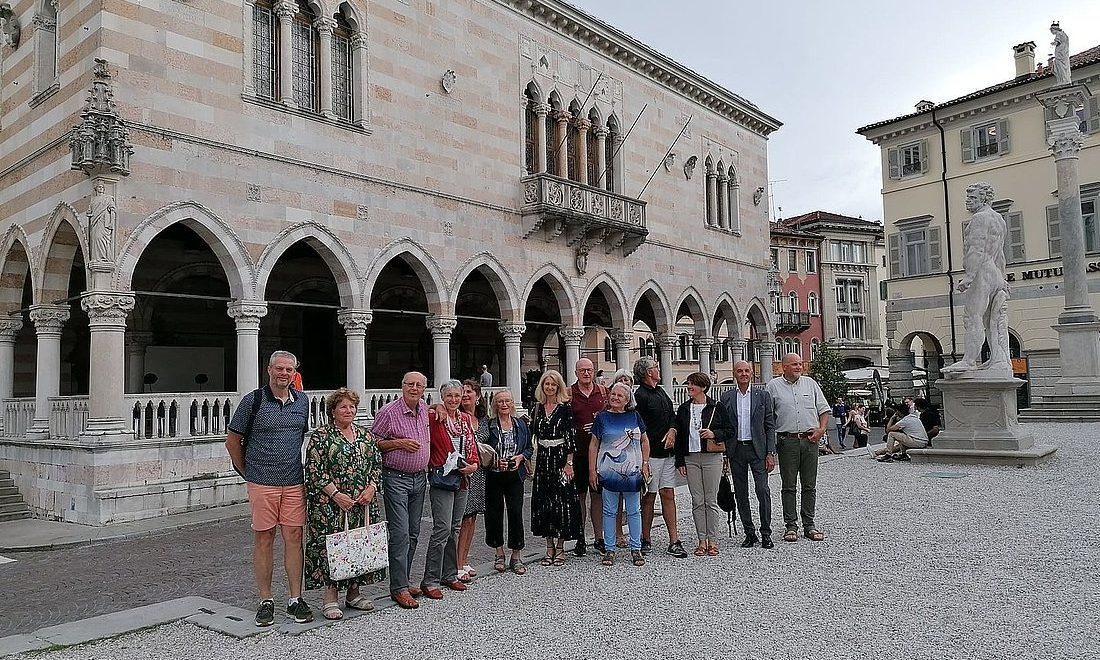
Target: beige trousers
704,471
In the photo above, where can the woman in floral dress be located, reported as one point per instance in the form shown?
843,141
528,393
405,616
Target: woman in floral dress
343,474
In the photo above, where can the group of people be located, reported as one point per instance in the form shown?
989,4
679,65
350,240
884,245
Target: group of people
913,424
607,452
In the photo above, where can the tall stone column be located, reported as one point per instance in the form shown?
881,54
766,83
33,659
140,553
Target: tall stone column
358,70
246,315
1078,328
623,341
136,343
704,344
9,332
737,349
356,322
901,362
513,334
766,349
441,328
107,312
324,26
666,344
712,199
601,157
571,336
541,110
723,200
285,10
583,126
48,322
562,119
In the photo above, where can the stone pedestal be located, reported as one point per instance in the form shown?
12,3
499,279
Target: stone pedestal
1079,345
980,425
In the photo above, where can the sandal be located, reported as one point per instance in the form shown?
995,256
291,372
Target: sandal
790,536
701,551
470,571
712,550
559,557
516,565
814,535
499,564
331,611
637,557
608,558
359,602
548,560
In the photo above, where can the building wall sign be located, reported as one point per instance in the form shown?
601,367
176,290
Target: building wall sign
1044,273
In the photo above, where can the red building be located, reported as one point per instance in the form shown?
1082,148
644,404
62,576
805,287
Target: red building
796,305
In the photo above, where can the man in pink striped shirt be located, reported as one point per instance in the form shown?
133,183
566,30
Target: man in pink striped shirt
401,430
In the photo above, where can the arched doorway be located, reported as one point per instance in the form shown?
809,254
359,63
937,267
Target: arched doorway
726,331
64,279
16,296
477,340
755,331
915,368
398,340
545,311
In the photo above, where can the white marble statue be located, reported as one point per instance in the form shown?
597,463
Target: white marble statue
986,289
1061,55
101,225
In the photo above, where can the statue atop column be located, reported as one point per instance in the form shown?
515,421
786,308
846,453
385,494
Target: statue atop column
986,310
101,225
1061,55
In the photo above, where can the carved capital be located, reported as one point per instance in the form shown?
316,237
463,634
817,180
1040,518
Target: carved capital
583,125
42,22
325,25
739,344
668,342
1067,144
571,335
355,321
286,9
704,343
542,109
562,116
9,328
766,345
139,341
601,132
512,331
48,318
622,338
107,309
358,41
247,313
441,327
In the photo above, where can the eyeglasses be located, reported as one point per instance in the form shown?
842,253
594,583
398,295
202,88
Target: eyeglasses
411,386
584,371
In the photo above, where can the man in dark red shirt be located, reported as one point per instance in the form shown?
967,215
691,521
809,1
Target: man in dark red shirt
587,399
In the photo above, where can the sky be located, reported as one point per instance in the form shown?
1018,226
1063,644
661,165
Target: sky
826,69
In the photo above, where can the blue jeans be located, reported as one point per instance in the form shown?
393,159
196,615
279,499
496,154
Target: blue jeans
632,507
403,495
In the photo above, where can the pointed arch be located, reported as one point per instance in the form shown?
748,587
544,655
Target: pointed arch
756,313
227,246
558,282
331,249
620,316
56,258
497,274
423,264
725,309
534,90
555,100
652,292
351,14
15,268
696,311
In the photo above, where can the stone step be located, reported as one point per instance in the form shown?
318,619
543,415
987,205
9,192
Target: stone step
10,498
4,474
15,507
7,483
17,515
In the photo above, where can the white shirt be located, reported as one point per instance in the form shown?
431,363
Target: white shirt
695,444
744,415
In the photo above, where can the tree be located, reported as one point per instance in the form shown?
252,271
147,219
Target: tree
826,370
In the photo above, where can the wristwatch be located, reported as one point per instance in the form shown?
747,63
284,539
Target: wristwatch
569,462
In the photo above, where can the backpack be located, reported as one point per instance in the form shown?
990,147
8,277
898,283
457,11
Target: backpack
257,401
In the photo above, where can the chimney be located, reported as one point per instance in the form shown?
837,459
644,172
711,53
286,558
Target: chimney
1025,58
925,106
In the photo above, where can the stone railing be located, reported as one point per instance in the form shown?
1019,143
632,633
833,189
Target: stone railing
179,414
18,415
588,217
680,393
68,416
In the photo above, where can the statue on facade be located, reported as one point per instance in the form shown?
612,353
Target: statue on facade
986,310
1061,55
102,214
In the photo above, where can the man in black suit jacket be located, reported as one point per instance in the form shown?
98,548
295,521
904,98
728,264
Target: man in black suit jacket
752,448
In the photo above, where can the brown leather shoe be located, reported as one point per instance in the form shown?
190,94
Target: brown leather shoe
404,600
457,585
414,592
432,592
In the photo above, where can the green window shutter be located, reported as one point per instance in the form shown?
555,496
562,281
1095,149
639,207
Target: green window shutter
894,259
935,263
923,156
1094,115
1014,238
1004,145
967,150
894,158
1054,233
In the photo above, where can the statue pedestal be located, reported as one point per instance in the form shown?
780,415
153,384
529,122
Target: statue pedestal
980,425
1079,345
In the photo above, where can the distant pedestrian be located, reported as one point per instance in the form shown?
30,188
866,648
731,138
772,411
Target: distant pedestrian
702,432
555,507
751,448
801,418
265,444
510,438
840,416
860,426
485,379
401,431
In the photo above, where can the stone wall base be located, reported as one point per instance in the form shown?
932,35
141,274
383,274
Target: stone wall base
94,484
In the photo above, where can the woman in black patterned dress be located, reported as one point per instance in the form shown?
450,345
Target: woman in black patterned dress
555,510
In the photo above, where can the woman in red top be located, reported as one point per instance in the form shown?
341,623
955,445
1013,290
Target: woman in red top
453,455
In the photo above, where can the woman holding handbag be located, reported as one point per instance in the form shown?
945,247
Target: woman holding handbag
702,429
510,439
343,477
453,456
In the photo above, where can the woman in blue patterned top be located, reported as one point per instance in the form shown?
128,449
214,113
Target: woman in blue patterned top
619,461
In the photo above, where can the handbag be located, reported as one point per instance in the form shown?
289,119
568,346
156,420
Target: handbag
710,445
355,552
726,502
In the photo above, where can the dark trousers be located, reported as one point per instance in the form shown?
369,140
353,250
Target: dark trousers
743,460
504,490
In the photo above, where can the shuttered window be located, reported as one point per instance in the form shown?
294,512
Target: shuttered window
915,252
1054,232
1014,238
985,141
908,160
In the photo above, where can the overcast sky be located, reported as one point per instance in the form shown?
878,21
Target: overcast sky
827,68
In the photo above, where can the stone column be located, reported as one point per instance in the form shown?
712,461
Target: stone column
541,110
571,336
1078,328
441,328
107,312
623,341
766,349
583,126
737,349
246,314
513,333
901,362
358,71
723,200
9,332
356,322
712,199
285,10
666,344
324,26
562,118
136,343
601,157
704,344
48,322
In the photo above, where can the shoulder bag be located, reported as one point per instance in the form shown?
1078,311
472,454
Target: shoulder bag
710,445
355,552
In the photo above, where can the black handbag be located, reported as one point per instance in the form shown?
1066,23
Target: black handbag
451,481
725,490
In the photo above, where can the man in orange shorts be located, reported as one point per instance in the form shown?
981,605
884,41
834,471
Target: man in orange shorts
265,443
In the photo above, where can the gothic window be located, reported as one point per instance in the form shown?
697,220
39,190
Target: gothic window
610,177
709,183
572,141
733,207
45,46
530,132
593,158
552,137
342,70
264,51
304,60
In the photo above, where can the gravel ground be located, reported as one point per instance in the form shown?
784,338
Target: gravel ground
998,564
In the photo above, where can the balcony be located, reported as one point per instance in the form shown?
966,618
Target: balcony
587,217
792,321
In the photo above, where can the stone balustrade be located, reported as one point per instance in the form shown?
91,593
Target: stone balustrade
584,216
18,415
